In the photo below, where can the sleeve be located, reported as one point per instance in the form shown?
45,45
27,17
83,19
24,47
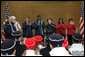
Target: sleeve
24,26
63,26
68,27
74,27
57,26
7,29
32,26
43,25
35,24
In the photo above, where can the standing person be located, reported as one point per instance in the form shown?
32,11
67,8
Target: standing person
9,28
70,30
60,27
8,48
77,49
50,27
16,24
27,28
39,26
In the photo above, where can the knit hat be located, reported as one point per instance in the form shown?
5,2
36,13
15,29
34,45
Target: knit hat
16,34
38,38
56,40
30,43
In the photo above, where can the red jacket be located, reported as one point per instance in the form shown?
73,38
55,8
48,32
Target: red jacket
61,28
70,29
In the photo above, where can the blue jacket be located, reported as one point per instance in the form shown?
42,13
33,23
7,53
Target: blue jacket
39,29
27,30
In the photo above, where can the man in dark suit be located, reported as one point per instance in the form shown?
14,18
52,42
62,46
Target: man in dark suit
39,26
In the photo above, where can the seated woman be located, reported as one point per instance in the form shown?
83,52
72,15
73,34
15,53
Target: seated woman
77,49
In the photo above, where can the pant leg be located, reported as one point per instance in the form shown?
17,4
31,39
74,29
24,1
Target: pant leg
43,38
70,39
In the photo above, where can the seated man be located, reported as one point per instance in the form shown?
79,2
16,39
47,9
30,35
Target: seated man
77,49
8,48
20,48
56,45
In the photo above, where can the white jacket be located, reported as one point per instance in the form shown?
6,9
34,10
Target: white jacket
77,49
31,53
59,51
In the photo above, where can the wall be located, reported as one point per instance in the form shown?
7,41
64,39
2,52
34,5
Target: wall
53,9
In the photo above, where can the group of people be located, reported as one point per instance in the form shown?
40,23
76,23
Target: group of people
55,36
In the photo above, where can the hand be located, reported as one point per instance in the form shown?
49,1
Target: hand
44,30
30,23
27,23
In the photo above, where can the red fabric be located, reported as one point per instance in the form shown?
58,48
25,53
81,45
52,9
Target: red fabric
30,43
38,38
65,44
6,39
61,28
70,29
83,39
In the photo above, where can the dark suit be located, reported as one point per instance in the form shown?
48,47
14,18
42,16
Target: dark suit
39,29
27,30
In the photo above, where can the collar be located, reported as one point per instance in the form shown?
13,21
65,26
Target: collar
59,51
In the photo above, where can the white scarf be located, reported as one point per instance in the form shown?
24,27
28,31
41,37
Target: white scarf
17,26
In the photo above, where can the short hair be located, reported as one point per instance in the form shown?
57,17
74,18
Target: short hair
77,38
70,19
57,44
38,16
49,19
59,21
28,17
76,41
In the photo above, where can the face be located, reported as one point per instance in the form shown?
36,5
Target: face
60,21
27,19
10,20
71,21
49,21
38,18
